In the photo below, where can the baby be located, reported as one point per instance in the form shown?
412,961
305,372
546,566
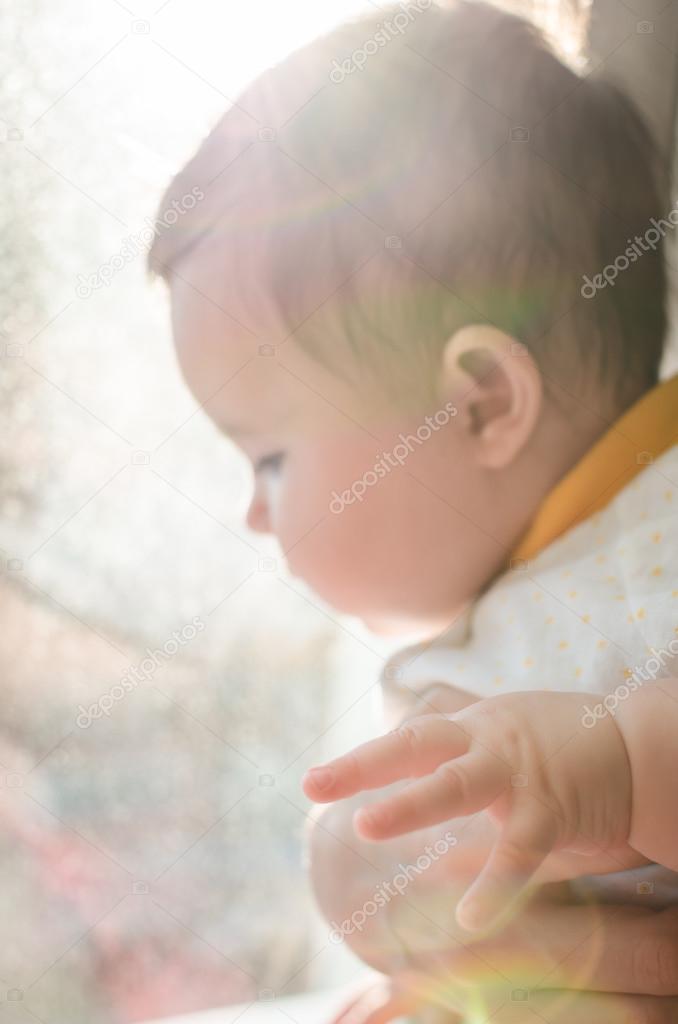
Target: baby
423,291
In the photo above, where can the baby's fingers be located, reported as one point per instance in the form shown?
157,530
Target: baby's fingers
414,749
526,840
455,789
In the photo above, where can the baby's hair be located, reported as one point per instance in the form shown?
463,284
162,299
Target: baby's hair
389,183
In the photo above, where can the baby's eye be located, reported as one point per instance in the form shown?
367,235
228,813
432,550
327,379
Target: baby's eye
269,463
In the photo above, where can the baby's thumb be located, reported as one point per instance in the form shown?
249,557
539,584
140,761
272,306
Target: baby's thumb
526,840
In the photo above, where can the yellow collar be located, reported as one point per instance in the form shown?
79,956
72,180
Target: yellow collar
645,431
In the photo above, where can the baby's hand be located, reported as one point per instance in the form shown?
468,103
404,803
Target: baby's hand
549,782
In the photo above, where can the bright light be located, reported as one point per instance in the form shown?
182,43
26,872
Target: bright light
255,33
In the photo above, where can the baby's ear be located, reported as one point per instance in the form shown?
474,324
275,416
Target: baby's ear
497,388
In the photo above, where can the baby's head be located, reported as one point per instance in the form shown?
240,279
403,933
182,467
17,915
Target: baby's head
388,234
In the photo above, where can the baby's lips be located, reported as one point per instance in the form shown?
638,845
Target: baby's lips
317,782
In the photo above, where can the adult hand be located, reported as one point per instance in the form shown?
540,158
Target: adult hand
564,964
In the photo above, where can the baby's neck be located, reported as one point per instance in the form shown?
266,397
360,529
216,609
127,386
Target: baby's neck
563,437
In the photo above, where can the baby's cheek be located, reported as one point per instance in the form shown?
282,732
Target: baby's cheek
330,548
311,479
367,544
302,502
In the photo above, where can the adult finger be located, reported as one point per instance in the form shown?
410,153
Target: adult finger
603,948
384,1002
359,1007
396,1006
422,996
566,1007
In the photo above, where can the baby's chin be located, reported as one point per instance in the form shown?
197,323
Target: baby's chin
386,624
409,630
383,627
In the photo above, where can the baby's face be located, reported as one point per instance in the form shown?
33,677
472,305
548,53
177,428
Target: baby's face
401,547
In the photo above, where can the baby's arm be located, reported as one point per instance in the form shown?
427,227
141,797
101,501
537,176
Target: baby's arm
648,722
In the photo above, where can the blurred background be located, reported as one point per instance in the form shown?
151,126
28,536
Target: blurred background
152,856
